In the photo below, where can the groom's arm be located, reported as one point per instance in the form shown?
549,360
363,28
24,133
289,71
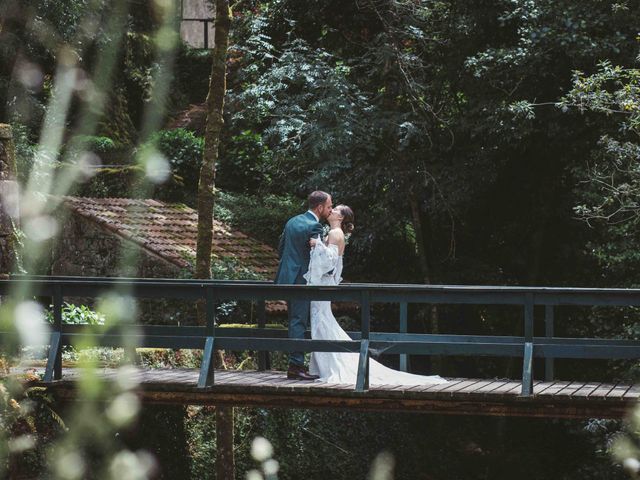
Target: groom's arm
316,230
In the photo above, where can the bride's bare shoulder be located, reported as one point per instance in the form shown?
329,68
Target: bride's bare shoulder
336,234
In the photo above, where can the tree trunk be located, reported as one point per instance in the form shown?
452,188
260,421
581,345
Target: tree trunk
213,127
420,241
421,246
225,463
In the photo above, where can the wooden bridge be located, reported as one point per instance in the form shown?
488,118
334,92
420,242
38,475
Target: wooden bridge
460,396
521,397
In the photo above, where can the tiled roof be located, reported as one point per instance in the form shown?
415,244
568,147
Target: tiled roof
170,231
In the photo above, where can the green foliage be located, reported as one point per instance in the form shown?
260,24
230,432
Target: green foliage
615,173
25,151
247,165
38,32
313,122
107,170
93,152
83,315
184,152
115,181
404,110
96,144
77,315
446,447
30,421
261,216
133,87
105,357
164,358
193,67
228,268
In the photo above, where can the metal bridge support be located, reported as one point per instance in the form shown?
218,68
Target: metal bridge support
207,367
362,380
50,372
549,333
403,329
264,360
53,370
527,361
208,361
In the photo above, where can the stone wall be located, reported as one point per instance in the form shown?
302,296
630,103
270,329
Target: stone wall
8,199
85,249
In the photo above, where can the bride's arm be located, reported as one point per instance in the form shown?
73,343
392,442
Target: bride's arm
322,260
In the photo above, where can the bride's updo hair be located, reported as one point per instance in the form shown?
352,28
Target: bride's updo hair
347,218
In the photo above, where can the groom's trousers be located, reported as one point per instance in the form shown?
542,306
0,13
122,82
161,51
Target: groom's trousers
298,324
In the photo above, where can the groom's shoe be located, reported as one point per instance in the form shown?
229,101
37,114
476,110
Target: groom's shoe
299,372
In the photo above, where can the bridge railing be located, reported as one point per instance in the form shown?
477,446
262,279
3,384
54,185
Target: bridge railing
210,337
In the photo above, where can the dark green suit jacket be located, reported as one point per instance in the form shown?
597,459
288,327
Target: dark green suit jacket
294,248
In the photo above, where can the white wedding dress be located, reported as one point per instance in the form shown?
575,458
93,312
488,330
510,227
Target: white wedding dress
325,268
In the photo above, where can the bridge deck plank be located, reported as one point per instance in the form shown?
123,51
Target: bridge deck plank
518,388
585,390
386,387
460,396
460,386
541,387
508,386
633,393
487,389
423,388
570,389
618,391
439,386
554,389
227,375
602,391
474,388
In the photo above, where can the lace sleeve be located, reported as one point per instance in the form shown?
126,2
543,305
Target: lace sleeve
324,258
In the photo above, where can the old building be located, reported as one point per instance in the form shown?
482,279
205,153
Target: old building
98,232
108,237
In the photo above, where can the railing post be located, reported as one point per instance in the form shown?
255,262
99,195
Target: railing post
53,370
403,329
527,361
207,366
362,380
130,352
264,360
549,333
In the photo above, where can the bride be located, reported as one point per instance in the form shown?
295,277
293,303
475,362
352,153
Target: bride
325,268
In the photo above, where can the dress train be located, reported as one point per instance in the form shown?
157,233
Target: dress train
325,268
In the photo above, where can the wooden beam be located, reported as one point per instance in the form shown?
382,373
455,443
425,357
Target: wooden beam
443,406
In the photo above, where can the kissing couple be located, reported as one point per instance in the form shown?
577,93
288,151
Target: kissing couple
306,258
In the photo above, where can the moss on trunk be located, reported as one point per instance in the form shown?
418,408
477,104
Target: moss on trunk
215,108
225,463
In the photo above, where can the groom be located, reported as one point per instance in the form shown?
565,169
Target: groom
294,252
